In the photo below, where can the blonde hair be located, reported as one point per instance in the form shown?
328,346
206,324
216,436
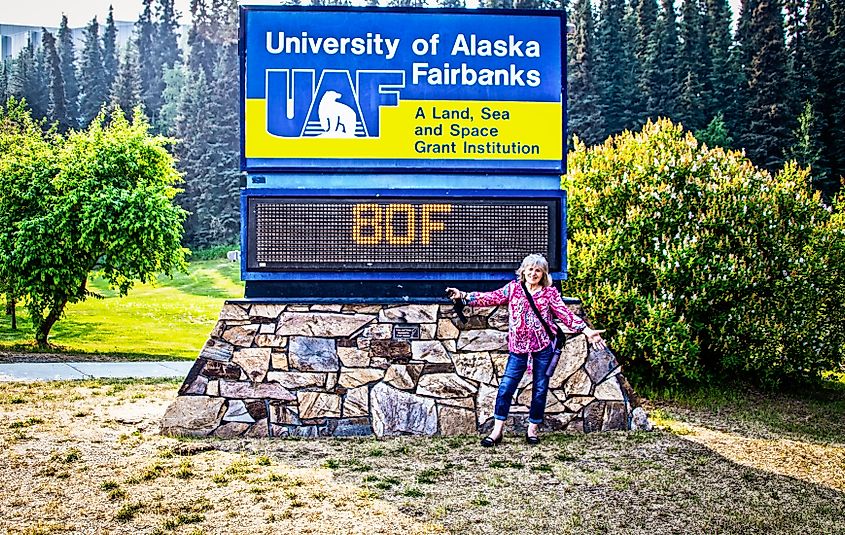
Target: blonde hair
537,260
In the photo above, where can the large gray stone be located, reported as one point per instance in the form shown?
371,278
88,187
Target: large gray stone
475,366
409,314
352,357
318,405
600,362
579,384
237,412
241,335
356,402
244,390
313,354
485,402
397,413
233,312
231,430
447,330
455,421
294,380
499,319
216,349
378,331
266,311
444,385
615,417
483,340
283,414
255,361
193,416
354,377
321,324
403,376
571,358
608,390
270,340
429,351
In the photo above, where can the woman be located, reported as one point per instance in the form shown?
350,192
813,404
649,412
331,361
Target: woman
527,338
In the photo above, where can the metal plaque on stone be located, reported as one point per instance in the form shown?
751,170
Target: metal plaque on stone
406,332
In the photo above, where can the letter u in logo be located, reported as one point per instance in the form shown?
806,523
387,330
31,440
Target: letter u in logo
290,93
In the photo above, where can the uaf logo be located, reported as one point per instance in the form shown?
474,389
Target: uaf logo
301,105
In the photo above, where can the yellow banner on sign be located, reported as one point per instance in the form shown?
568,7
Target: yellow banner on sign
479,130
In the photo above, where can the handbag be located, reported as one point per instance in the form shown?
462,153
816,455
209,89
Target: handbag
557,338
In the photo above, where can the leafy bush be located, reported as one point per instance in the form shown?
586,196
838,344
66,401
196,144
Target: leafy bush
703,266
217,252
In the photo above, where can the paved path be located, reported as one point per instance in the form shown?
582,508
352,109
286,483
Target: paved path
61,371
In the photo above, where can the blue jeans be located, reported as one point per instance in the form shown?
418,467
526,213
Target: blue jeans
517,364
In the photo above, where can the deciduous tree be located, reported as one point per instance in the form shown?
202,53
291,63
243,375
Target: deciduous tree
95,202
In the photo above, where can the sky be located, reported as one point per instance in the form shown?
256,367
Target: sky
79,12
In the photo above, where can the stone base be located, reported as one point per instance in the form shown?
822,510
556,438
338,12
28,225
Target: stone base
278,370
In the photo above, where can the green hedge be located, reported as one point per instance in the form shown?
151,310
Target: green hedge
701,265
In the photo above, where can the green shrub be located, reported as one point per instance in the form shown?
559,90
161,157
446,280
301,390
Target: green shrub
216,252
703,266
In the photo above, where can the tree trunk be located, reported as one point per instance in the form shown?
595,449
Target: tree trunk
11,311
42,331
10,305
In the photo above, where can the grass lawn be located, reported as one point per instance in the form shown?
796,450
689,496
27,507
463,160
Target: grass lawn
169,319
87,458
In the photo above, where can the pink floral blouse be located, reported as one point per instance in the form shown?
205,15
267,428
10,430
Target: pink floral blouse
525,332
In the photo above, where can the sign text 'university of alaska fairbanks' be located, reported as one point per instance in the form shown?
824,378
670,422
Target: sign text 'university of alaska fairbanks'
396,90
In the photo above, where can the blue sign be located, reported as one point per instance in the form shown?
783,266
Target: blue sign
379,89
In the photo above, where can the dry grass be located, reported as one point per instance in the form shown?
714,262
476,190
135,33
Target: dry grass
85,457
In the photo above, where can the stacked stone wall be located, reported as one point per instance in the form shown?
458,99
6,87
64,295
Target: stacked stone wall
278,370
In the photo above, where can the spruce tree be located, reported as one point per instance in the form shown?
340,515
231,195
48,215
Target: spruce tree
805,146
769,120
645,51
126,90
57,108
693,67
67,59
110,59
585,119
4,81
175,79
739,117
721,78
28,81
837,83
95,92
610,62
664,99
818,43
150,75
167,35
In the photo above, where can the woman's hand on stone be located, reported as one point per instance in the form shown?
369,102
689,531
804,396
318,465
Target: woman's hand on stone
594,337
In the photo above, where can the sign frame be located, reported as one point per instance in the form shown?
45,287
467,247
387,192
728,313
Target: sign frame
428,165
248,274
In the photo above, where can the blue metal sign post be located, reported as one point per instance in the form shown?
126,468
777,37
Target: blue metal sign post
388,151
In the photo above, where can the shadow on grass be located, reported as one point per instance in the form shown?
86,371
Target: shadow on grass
816,414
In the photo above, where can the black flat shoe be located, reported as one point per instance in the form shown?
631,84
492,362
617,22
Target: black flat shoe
488,442
533,441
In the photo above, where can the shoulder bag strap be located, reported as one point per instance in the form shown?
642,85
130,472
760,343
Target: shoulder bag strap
537,312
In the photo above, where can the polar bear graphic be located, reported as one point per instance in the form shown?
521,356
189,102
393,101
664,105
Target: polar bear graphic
336,118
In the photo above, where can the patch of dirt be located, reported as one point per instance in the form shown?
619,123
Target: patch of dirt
86,457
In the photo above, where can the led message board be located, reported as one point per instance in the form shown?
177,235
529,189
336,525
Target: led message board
379,89
408,232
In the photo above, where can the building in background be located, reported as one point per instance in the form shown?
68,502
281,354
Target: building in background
14,37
